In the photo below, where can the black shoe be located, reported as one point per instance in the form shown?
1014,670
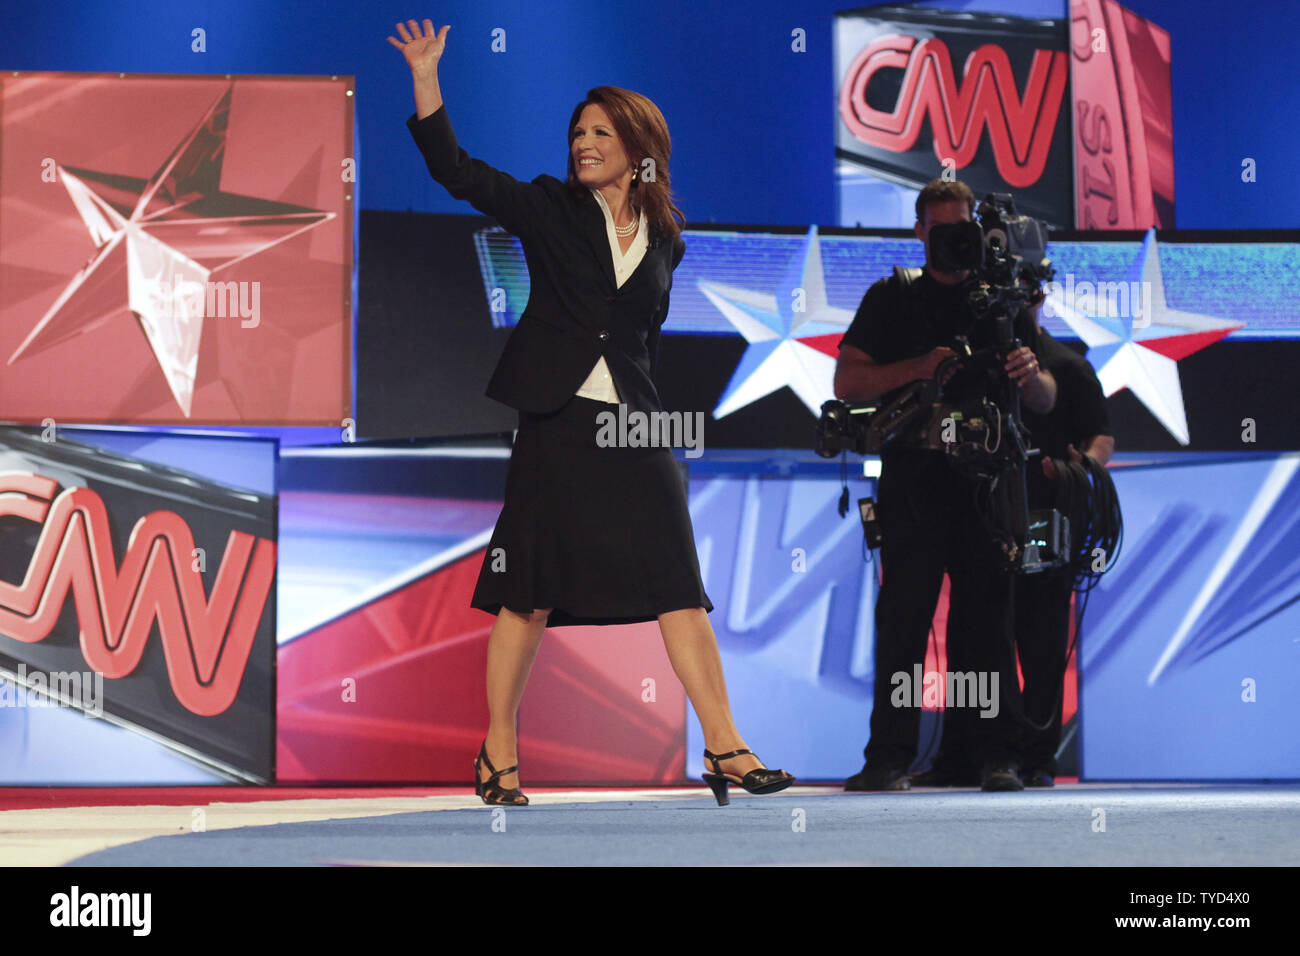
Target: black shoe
878,778
491,791
946,776
1037,778
1000,776
756,781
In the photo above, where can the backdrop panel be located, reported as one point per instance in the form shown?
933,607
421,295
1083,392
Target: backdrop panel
178,246
136,588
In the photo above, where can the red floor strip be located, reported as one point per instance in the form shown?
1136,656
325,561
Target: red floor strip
30,798
35,798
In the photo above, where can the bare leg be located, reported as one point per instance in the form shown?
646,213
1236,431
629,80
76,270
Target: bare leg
512,647
693,650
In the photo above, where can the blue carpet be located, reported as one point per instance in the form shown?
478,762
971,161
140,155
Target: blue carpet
1226,825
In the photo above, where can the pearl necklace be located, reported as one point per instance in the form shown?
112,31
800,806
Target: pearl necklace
624,231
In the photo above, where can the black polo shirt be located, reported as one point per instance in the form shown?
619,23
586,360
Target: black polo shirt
1080,411
891,327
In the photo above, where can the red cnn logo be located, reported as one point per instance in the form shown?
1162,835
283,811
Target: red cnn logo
206,643
1020,129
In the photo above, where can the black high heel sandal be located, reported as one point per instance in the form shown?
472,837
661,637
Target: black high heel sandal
492,792
756,781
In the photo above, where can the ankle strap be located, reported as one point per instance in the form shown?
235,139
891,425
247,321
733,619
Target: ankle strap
716,757
495,773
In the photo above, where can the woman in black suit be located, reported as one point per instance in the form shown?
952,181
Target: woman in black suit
588,534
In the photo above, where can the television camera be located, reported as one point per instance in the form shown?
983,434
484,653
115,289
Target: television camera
984,437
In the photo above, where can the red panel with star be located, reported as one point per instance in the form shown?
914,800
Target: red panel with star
175,249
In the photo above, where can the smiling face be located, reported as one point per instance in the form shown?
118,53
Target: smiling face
598,155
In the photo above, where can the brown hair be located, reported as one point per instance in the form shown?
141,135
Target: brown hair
644,134
944,190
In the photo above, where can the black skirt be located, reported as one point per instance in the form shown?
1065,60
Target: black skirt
600,535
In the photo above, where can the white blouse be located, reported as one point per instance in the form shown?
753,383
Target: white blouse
600,384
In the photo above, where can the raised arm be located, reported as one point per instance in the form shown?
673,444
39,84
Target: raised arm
423,48
517,206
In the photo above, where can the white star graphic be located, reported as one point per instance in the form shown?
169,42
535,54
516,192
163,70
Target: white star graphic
158,243
769,322
1134,338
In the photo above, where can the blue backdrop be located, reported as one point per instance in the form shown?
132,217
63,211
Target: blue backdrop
751,120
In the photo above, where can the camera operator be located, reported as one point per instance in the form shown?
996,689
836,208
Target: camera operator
1079,420
927,511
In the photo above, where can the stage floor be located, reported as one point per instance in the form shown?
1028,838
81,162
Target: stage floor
1144,825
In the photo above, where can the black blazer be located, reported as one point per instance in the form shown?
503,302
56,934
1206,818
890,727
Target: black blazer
576,312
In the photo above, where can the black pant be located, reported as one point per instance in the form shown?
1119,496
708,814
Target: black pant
1042,627
930,523
1042,638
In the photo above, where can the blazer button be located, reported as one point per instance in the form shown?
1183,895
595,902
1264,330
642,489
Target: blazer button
604,335
610,298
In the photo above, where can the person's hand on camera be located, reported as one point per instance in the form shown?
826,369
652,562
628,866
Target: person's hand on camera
929,363
1022,366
